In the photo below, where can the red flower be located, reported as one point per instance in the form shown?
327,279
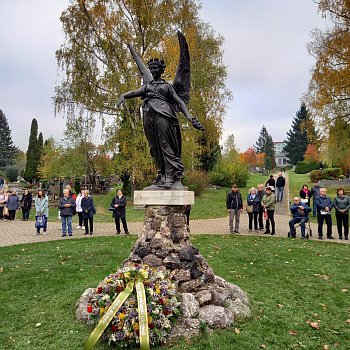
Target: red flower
166,312
114,328
161,301
99,290
89,308
151,325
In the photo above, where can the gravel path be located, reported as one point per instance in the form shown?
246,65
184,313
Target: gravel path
18,232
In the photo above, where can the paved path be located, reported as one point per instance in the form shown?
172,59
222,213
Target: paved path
17,232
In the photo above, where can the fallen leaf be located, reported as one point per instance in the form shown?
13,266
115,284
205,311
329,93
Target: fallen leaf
263,346
38,324
326,347
314,325
237,331
280,305
1,269
292,332
325,277
348,321
344,290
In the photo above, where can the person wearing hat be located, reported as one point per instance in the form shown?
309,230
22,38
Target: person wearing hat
268,203
315,193
234,205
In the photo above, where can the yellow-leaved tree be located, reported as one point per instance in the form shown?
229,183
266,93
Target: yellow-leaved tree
97,68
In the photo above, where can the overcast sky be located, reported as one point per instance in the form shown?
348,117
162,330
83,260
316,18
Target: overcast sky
265,51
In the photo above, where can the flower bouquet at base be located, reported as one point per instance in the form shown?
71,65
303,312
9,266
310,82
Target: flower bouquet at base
163,306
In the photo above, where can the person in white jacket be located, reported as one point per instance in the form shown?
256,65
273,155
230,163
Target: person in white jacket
79,209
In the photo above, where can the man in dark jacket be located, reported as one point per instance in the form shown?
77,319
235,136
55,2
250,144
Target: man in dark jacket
300,212
270,182
315,193
234,205
324,206
280,183
67,206
260,193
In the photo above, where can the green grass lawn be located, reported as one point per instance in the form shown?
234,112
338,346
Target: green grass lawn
290,283
211,204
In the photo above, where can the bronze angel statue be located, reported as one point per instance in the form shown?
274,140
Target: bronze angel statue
161,101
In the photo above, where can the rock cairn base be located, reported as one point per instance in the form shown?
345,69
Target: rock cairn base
206,298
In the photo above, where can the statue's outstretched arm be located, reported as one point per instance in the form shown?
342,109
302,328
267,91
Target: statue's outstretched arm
130,94
183,108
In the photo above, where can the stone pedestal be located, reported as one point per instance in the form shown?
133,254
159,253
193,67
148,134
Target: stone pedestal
163,197
164,243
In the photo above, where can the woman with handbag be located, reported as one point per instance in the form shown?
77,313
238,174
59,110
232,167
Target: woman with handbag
26,205
253,205
119,211
41,212
88,211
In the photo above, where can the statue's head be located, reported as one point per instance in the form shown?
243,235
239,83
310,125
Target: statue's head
156,66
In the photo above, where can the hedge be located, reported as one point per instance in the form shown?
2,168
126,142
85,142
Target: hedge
327,174
304,168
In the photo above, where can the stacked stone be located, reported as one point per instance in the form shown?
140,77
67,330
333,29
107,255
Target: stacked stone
164,244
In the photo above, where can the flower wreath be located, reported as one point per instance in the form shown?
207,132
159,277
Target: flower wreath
163,306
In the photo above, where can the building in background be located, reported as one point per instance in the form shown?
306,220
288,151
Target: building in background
280,157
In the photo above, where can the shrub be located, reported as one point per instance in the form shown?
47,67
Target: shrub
304,168
226,173
11,173
196,181
329,173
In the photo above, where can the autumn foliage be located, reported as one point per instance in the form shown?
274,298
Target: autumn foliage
311,154
251,158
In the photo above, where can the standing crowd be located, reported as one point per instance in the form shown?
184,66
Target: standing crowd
68,205
262,200
260,205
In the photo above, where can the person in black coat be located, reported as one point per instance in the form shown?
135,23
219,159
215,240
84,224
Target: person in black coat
260,194
26,204
119,211
88,211
280,183
270,182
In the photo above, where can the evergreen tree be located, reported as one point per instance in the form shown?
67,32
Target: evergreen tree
8,151
265,145
32,153
40,145
297,138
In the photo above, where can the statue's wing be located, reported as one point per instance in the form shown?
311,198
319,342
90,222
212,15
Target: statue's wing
145,73
182,81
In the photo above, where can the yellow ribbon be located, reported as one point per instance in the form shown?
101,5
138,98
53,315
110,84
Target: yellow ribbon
143,317
117,303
